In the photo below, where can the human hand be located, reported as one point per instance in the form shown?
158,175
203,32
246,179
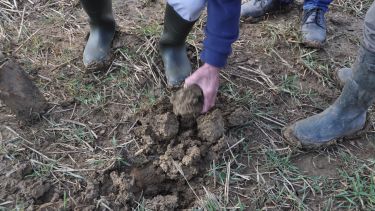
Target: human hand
207,78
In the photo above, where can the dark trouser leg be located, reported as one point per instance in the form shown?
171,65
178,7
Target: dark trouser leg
368,42
348,114
180,16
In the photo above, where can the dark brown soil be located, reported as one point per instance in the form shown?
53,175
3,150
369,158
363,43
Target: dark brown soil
19,93
165,161
319,164
168,202
211,127
170,156
239,117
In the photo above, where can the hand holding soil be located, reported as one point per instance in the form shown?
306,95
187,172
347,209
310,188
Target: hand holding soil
207,78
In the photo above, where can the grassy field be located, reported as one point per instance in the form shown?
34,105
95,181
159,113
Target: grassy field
74,158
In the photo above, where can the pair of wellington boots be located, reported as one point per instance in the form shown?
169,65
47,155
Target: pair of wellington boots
172,42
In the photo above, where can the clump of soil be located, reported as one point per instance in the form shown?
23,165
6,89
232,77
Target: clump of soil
169,153
166,125
14,176
239,117
19,93
19,171
39,189
211,127
188,102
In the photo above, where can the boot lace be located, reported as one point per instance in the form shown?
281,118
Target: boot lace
317,19
261,2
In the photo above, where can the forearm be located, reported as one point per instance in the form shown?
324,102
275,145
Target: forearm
221,31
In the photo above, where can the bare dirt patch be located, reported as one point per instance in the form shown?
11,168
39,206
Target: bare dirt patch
19,93
172,155
167,161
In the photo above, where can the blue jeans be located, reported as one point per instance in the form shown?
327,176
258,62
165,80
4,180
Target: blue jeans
311,4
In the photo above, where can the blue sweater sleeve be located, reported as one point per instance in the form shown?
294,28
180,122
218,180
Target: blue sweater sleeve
222,29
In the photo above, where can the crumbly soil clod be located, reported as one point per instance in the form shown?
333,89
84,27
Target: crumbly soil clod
166,125
239,117
168,202
188,102
211,126
192,145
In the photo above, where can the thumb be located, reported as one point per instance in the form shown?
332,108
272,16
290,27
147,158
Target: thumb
193,80
188,81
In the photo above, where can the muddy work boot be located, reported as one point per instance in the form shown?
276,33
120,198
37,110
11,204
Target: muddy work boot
102,30
255,9
346,116
172,47
314,28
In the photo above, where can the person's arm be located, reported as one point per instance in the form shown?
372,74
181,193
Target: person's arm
223,17
221,31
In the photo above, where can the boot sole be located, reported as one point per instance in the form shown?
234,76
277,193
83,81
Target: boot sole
252,20
294,142
178,83
99,66
313,44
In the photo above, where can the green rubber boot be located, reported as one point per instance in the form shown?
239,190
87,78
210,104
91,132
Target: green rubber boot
346,116
97,52
172,47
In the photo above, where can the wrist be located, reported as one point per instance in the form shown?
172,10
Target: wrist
211,67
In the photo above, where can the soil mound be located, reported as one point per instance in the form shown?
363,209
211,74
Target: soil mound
173,149
165,166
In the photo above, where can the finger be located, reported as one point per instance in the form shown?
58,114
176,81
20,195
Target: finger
205,103
212,98
207,107
209,101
